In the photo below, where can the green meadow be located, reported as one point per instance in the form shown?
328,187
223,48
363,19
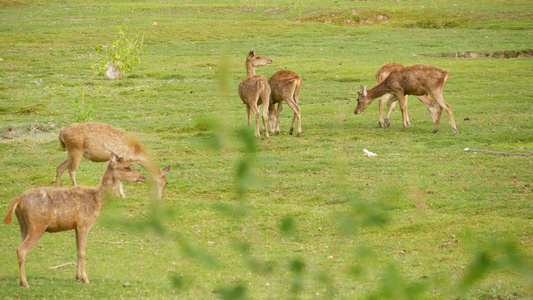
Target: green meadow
307,217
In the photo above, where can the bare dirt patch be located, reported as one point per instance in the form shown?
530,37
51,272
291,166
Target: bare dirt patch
36,131
353,18
489,54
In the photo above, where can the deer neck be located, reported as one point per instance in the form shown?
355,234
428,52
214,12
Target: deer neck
377,91
250,69
108,183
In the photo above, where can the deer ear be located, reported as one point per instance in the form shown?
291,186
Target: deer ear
165,170
114,158
364,91
252,53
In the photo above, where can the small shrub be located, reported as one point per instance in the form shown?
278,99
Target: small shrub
124,55
82,112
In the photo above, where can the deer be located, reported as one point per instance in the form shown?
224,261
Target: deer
254,90
417,80
285,86
60,209
85,140
381,74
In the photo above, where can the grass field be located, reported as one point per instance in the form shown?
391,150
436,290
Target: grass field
307,217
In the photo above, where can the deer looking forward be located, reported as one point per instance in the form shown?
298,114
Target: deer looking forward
56,209
285,86
85,139
433,108
417,80
254,91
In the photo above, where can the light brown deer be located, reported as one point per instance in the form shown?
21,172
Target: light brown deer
417,80
85,140
433,108
285,86
254,91
55,209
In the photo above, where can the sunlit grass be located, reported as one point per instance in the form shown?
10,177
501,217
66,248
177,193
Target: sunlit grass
288,217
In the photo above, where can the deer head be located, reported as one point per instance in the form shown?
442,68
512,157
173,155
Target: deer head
363,101
121,169
257,60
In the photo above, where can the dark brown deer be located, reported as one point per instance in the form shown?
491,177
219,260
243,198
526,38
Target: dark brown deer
85,140
55,209
254,91
285,86
417,80
433,108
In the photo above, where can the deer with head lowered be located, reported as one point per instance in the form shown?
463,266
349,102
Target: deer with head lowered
59,209
254,91
85,140
285,86
433,108
417,80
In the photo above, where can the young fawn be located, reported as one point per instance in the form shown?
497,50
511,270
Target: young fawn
85,140
381,74
417,80
54,209
285,86
254,91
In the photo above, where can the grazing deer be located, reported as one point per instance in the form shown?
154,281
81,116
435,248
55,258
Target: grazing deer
381,74
285,86
254,91
56,209
417,80
85,139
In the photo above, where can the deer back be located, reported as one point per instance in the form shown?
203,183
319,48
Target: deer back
60,209
416,80
283,82
89,137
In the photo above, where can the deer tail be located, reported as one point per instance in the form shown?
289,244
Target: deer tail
297,87
9,216
445,75
62,142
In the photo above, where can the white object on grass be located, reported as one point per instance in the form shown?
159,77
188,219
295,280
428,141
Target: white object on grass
369,154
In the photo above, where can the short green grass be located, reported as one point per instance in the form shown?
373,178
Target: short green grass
308,217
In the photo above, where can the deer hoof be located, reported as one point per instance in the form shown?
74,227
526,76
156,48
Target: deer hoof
24,284
436,130
387,122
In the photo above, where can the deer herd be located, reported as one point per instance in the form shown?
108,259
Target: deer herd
77,208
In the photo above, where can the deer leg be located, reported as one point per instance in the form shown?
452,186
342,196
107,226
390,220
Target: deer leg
403,107
381,121
75,160
444,105
249,115
121,190
390,106
31,239
407,114
23,224
255,110
432,106
265,97
81,243
297,115
273,118
278,113
62,168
